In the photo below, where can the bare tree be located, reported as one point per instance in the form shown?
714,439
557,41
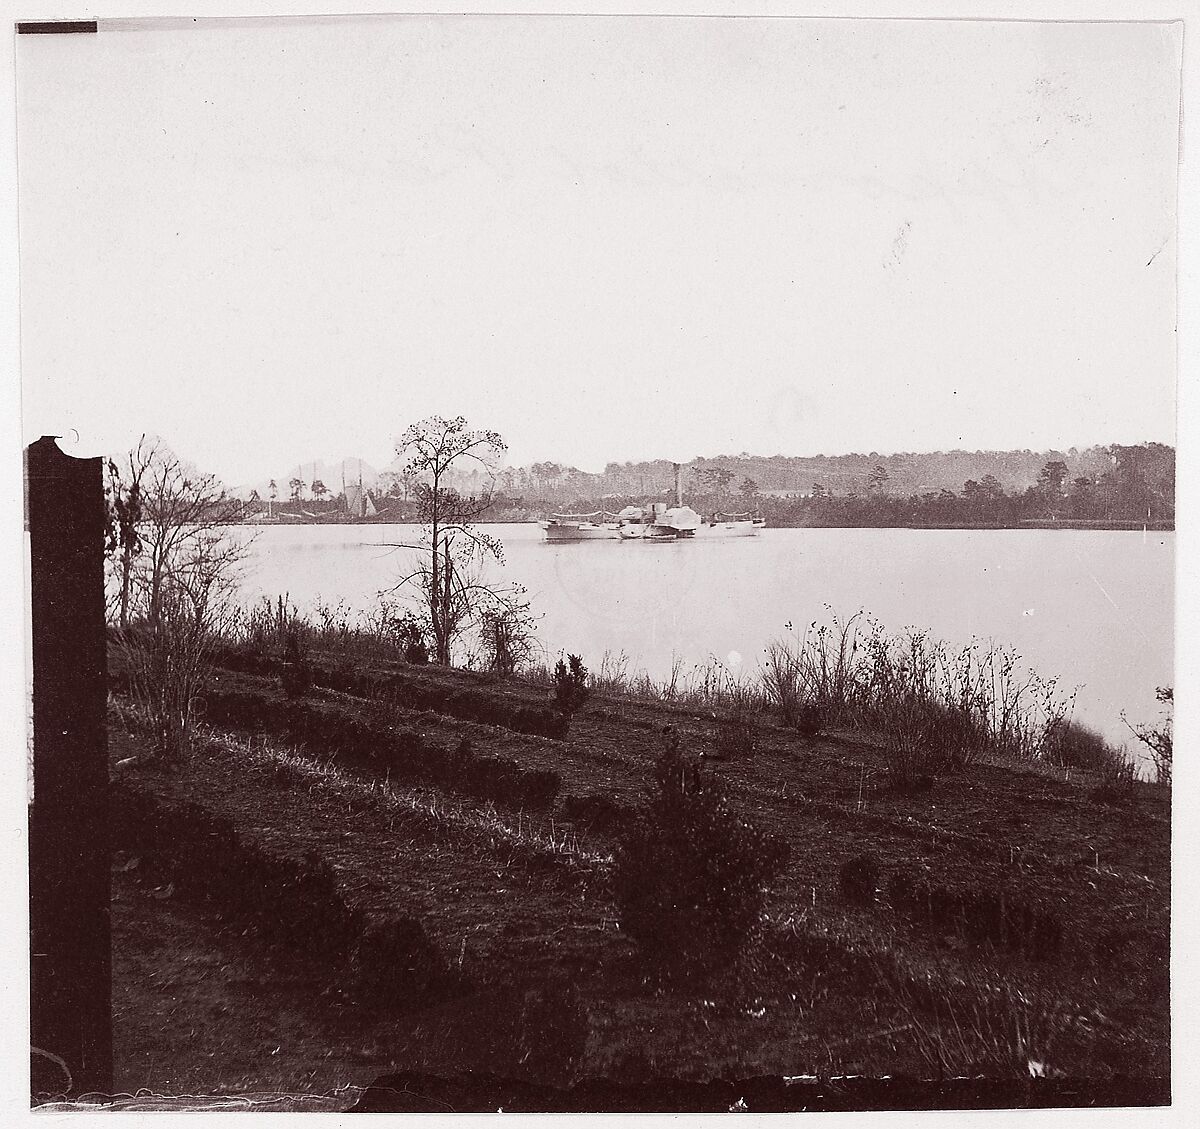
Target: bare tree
183,579
1160,738
452,551
122,535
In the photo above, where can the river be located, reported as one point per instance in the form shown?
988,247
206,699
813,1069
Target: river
1095,608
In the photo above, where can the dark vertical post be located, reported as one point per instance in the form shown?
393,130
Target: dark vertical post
69,864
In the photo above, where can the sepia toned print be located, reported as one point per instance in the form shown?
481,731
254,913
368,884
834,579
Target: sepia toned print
598,563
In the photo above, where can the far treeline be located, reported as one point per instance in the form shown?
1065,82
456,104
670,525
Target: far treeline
1113,485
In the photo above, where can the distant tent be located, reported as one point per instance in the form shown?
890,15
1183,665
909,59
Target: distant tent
354,501
369,509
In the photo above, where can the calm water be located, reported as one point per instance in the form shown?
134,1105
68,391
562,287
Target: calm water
1092,607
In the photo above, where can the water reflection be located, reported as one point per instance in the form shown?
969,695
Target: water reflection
1093,607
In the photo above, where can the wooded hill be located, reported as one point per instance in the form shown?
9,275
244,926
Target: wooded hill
1116,484
905,473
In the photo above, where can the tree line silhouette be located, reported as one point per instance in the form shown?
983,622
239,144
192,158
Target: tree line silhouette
1113,485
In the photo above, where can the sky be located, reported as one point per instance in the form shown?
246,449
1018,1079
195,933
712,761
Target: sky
606,238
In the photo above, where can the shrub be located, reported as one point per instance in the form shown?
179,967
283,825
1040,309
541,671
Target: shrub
809,719
165,666
460,758
1118,780
506,639
690,877
960,736
393,958
980,697
596,811
540,787
858,879
411,641
297,674
734,737
909,732
782,682
986,915
923,737
570,685
1071,745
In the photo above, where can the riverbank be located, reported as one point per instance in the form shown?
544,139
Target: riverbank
450,852
528,518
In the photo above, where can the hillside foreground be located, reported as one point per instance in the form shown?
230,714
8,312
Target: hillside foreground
406,870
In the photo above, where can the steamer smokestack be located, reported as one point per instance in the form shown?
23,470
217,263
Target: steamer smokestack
678,484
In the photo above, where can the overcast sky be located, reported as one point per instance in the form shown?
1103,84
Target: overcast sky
606,238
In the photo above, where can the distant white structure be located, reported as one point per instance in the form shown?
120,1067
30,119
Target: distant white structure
358,501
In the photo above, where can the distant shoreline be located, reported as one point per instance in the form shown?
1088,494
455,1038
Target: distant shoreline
1110,526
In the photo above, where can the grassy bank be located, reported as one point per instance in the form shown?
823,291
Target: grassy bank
931,704
999,906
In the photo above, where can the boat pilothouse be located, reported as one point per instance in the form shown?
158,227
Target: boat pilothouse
655,522
660,522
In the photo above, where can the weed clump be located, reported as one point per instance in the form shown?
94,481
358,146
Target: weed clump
1071,745
809,719
924,738
981,1028
297,674
597,812
984,915
411,641
734,738
570,686
690,877
506,640
1118,781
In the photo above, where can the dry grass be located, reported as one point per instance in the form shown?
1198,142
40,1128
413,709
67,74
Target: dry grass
380,632
1072,745
710,685
968,699
484,823
964,1025
934,705
959,1019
